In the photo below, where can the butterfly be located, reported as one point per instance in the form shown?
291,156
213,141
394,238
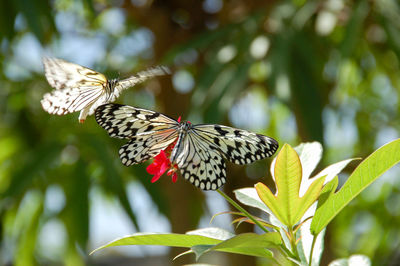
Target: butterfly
199,152
79,88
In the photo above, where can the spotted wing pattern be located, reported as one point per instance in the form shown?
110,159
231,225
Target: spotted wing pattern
149,132
200,150
201,158
237,145
201,163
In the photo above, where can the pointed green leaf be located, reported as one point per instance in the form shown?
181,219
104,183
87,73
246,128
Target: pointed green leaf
309,198
171,240
246,244
250,240
370,169
250,251
287,206
273,203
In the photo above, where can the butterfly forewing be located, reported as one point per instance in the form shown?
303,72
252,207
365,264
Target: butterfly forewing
237,145
62,74
139,78
149,132
122,121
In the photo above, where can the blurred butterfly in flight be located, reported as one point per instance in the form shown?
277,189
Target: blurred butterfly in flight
79,88
198,151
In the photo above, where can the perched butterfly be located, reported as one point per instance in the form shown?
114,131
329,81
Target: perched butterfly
199,150
79,88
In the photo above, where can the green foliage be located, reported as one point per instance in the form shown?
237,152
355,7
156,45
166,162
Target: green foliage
287,211
287,205
246,244
369,170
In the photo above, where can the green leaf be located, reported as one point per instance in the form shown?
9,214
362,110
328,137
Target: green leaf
370,169
250,240
171,240
212,232
287,206
250,244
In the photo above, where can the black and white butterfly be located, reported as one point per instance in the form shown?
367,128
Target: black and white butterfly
79,88
199,152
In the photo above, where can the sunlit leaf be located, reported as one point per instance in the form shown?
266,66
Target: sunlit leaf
370,169
287,206
246,244
171,240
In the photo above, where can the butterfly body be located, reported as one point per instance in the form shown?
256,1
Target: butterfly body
199,151
183,130
79,88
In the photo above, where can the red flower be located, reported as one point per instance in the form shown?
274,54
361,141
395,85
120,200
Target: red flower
162,163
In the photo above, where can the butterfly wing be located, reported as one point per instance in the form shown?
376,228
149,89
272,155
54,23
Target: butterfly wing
76,88
201,163
62,74
237,145
149,132
139,78
68,100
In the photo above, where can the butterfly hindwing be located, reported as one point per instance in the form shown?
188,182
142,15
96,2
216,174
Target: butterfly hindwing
237,145
69,100
201,164
144,147
149,132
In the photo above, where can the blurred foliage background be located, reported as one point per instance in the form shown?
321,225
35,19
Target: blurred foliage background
298,71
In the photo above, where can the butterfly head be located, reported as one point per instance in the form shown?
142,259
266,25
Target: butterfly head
185,125
110,85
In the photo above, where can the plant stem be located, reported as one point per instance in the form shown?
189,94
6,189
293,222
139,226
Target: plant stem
312,249
292,238
234,204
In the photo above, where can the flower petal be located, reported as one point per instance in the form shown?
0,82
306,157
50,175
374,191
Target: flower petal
155,178
152,168
174,177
